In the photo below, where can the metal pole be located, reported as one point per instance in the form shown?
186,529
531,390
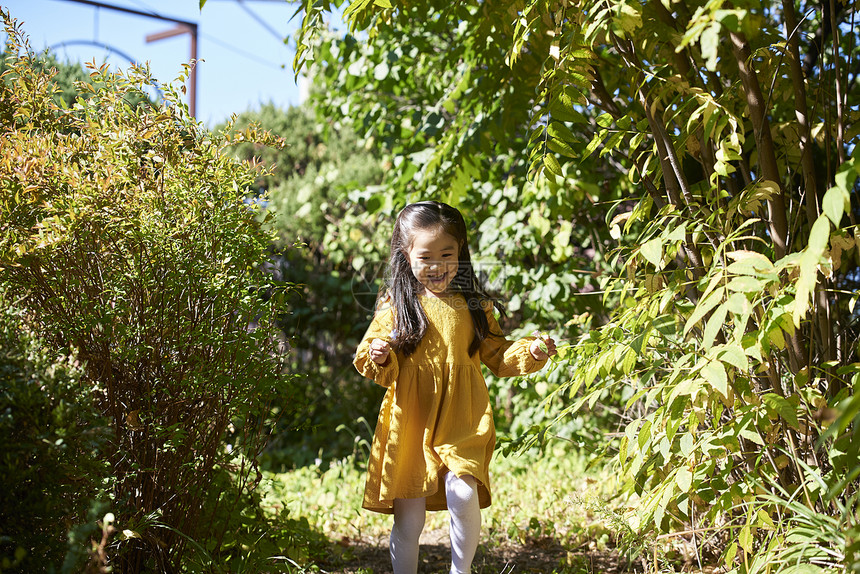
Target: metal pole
133,11
192,81
183,27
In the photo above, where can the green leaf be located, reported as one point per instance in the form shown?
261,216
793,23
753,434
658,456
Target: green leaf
731,19
594,143
644,435
734,355
715,323
710,41
353,12
629,362
539,222
802,569
849,409
561,107
716,280
630,18
809,260
561,146
685,387
776,337
746,284
667,496
622,449
848,172
715,373
677,233
634,398
819,236
551,163
835,204
751,263
730,554
652,251
686,444
739,304
612,143
560,131
703,307
752,436
745,538
604,120
684,479
782,407
383,3
202,3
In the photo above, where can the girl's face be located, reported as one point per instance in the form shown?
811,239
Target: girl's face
434,258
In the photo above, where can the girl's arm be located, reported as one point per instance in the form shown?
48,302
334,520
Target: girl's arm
380,328
507,358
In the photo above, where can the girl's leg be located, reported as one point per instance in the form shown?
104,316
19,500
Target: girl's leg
408,524
465,513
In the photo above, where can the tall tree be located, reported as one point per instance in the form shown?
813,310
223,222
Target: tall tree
712,144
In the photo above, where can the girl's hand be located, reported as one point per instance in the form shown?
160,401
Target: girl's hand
379,351
543,347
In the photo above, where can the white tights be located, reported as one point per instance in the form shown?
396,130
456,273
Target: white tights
462,494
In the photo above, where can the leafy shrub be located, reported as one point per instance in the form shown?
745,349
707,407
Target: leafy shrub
314,206
49,456
128,239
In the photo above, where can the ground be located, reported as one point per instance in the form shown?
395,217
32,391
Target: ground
542,555
549,515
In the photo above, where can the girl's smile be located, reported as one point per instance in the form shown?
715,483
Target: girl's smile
434,259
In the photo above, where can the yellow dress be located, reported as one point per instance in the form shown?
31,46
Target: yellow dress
436,413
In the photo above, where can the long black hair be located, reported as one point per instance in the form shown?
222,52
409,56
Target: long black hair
402,288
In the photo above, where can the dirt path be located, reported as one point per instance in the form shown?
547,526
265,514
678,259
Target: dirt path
543,556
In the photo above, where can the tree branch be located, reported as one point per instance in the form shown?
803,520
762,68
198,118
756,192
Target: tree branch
810,185
767,156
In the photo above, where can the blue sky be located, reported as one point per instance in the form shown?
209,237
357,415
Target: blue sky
246,62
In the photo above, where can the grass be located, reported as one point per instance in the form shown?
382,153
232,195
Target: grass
544,502
537,498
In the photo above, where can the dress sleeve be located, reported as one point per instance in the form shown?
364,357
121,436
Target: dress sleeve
380,328
507,358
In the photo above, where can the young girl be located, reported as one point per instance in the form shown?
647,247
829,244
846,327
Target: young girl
433,327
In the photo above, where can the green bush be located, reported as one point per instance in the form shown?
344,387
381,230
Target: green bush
129,239
313,205
49,456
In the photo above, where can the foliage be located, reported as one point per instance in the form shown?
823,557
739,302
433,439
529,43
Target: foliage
67,74
535,498
450,123
127,239
52,435
696,158
252,540
308,204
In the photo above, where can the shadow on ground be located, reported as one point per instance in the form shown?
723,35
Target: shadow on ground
545,556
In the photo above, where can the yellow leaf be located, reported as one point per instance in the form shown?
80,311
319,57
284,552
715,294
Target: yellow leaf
838,244
133,420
